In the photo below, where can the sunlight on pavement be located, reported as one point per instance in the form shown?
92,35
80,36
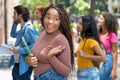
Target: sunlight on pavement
5,74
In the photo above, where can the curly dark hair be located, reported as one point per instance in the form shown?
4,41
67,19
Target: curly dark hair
23,11
110,22
64,27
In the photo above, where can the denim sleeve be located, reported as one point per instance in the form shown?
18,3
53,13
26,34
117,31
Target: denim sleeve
30,37
14,31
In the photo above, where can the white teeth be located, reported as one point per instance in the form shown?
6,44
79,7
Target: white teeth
50,26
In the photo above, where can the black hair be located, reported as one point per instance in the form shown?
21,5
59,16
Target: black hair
89,28
23,11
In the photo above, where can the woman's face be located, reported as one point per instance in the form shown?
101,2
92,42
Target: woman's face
101,21
79,25
38,15
51,21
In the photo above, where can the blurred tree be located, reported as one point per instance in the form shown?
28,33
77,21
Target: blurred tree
66,3
92,8
53,1
97,6
32,4
102,5
74,7
80,8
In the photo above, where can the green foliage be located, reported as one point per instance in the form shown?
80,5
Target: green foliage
79,8
31,4
97,12
66,2
72,25
82,7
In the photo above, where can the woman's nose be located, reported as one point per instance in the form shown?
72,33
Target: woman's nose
51,21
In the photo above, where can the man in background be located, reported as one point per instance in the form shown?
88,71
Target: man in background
21,71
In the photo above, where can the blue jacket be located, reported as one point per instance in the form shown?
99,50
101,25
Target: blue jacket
30,36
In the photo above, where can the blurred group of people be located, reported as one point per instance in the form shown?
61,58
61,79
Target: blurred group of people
50,49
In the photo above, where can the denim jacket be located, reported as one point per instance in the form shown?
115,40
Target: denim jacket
30,36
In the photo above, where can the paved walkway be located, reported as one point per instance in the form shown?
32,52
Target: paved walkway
5,54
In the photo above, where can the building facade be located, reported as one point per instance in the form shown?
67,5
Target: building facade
6,20
114,7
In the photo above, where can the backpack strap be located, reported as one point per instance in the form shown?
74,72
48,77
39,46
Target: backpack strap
84,44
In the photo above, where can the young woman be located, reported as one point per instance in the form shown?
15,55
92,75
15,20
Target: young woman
108,36
38,15
54,48
38,12
88,45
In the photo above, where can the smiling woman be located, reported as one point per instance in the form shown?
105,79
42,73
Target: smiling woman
51,21
54,47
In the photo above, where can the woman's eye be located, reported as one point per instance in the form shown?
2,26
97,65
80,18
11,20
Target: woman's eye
56,19
47,17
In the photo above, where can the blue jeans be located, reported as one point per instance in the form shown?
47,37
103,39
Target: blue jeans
25,76
105,70
88,74
50,75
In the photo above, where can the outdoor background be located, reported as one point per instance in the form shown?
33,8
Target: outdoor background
74,8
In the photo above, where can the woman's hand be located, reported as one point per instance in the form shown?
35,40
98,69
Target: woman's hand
15,49
56,50
31,60
80,53
113,74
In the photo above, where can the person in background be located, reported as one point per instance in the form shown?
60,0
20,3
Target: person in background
74,35
52,54
88,45
21,71
108,27
38,15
